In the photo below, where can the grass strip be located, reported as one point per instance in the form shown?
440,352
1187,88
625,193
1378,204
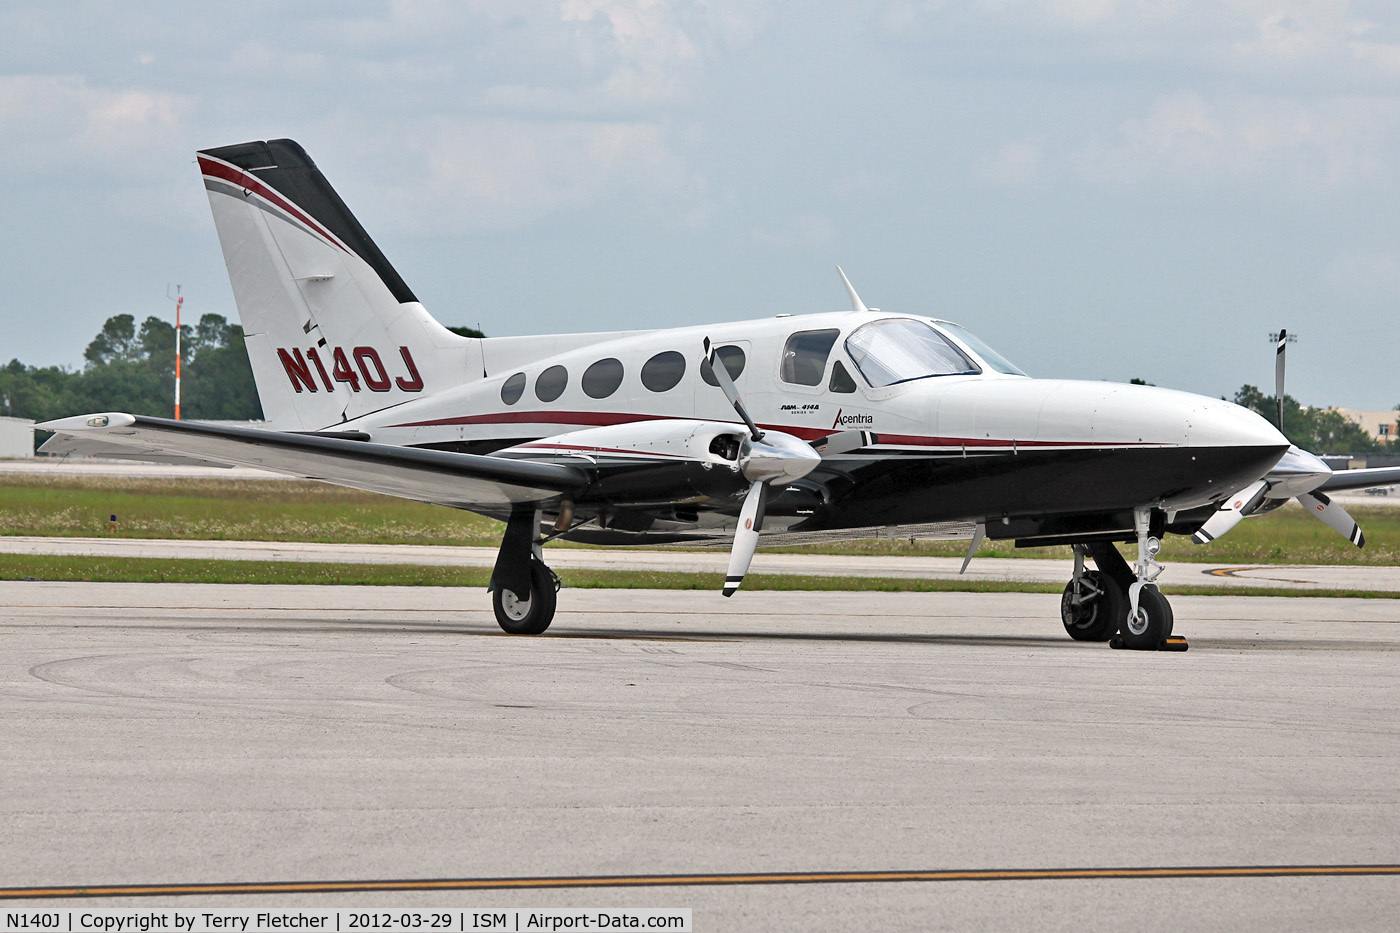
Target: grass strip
64,505
165,570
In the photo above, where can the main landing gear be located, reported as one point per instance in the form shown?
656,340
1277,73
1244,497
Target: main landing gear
523,589
1117,603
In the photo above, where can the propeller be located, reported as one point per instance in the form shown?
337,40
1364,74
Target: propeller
843,442
1298,474
764,457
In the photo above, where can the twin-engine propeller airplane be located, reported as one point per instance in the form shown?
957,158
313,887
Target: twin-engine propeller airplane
814,428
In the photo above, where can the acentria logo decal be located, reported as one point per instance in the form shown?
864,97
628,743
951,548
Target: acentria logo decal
852,421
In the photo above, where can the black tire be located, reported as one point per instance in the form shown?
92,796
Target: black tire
1101,609
1153,623
532,614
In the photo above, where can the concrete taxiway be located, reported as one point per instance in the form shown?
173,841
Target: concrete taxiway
185,733
989,569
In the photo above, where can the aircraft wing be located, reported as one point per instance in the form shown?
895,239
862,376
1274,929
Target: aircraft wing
442,477
1361,479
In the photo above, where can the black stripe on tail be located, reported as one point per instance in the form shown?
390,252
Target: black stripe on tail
283,165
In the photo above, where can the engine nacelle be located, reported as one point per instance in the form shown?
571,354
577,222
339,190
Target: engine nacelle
708,442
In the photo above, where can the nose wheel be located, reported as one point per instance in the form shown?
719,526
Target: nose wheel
1149,626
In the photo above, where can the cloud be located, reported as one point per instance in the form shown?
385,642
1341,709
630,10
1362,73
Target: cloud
1292,31
56,123
1017,164
1186,140
804,232
480,174
1366,275
1190,140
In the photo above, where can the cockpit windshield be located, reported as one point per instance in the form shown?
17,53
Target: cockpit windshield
900,349
989,356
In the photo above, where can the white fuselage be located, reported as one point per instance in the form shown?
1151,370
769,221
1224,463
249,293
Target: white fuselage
986,412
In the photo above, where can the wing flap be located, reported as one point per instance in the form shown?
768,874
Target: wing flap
442,477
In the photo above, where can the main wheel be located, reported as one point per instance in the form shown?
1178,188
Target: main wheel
529,613
1092,607
1152,624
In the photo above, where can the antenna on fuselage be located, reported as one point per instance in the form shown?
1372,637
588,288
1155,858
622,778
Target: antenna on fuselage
856,303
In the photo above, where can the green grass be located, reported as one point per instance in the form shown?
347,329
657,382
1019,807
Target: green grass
274,510
1286,536
161,570
230,510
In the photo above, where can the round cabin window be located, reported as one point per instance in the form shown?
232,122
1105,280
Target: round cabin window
663,371
549,385
602,378
513,388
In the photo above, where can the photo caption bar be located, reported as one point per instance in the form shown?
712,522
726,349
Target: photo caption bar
214,920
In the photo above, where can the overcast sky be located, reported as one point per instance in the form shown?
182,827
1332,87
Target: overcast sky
1100,189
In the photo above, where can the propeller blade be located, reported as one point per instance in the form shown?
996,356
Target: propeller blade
730,392
843,442
746,536
1278,373
1231,513
1333,516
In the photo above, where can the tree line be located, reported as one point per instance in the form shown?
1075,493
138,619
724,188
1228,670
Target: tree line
132,369
1316,430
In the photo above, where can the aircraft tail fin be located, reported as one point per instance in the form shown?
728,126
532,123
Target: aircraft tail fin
333,331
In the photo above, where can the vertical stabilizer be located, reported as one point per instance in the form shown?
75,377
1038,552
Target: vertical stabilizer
333,332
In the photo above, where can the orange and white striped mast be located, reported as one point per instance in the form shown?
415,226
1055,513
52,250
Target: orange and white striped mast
179,302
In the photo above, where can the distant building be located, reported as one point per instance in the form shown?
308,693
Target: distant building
1384,426
16,438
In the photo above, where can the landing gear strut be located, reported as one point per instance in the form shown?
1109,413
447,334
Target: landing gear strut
1148,624
523,589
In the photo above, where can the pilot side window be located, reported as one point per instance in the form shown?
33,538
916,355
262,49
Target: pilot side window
602,378
663,371
841,380
549,385
804,356
513,388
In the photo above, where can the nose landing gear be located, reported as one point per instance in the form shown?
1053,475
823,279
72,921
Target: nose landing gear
1117,603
